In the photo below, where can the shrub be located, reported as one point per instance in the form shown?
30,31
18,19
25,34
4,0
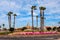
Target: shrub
11,29
58,29
54,28
24,28
48,28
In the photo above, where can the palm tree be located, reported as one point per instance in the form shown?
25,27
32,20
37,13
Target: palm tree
59,23
37,21
0,27
14,20
3,26
9,18
32,8
42,17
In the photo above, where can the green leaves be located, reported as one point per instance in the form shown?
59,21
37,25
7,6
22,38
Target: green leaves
42,8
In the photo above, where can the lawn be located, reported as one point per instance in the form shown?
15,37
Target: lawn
4,33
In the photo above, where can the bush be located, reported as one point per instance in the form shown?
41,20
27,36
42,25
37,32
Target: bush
58,29
54,28
11,29
49,28
24,28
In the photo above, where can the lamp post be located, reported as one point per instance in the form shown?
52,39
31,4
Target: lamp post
42,18
32,8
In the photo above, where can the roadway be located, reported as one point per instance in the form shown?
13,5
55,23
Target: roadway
31,37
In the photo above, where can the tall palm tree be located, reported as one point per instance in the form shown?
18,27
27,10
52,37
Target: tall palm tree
32,8
59,23
42,17
0,27
9,18
3,26
14,20
36,21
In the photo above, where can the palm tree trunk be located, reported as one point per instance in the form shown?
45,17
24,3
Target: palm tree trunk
14,22
32,19
10,22
36,22
42,20
41,24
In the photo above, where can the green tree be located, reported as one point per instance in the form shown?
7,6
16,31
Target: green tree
32,8
42,17
54,28
0,26
24,28
9,18
3,25
11,29
48,28
58,29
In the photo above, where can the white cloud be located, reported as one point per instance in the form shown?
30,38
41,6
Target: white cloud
16,6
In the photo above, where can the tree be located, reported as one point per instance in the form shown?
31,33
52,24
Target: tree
58,29
24,28
0,26
14,20
54,28
59,23
42,17
48,28
11,29
3,26
32,8
9,18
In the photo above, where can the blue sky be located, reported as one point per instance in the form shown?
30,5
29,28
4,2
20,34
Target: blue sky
23,9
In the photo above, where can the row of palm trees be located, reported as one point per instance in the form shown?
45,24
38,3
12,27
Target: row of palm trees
41,17
3,26
9,19
32,9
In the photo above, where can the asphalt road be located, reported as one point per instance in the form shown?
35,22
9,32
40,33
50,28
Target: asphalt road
56,37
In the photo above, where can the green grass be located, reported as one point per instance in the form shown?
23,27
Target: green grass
4,33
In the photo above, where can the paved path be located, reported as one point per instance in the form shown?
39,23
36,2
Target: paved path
56,37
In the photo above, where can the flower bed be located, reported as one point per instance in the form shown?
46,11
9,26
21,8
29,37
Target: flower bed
37,33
